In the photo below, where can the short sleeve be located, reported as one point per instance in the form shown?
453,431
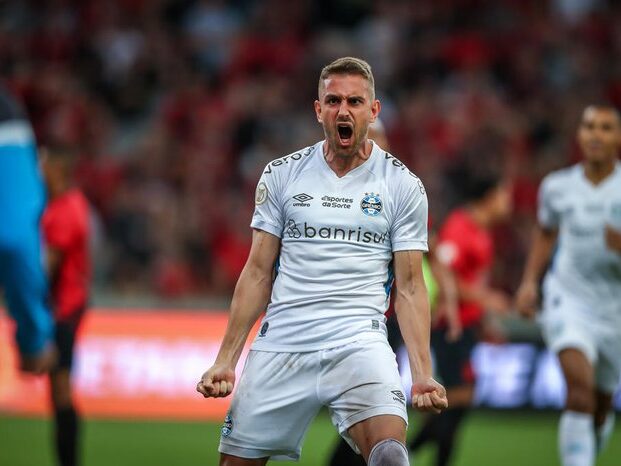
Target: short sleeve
452,249
58,230
268,209
547,214
409,228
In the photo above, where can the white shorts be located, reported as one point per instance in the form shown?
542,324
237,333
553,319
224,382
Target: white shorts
279,394
567,322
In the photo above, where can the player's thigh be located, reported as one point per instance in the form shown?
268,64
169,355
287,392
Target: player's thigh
274,403
64,336
366,434
60,376
566,322
570,332
360,381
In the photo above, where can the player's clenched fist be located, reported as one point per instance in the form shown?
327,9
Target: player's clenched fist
526,299
217,382
428,395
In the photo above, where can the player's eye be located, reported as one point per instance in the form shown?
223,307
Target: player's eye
607,127
332,100
355,101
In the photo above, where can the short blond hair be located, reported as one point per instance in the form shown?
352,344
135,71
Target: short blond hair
349,65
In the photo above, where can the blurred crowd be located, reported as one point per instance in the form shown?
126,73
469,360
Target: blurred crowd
175,106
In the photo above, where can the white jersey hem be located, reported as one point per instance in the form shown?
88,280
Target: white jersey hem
259,345
410,246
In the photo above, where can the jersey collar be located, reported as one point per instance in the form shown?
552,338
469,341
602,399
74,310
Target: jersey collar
364,166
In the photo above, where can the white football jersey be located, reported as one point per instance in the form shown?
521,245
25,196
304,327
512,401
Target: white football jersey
338,235
583,264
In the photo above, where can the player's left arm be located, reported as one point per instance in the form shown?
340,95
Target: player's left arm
613,239
414,317
448,308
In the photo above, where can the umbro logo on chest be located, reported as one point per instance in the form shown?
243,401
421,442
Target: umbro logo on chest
302,200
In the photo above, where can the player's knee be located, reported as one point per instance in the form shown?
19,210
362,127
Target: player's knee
389,452
580,399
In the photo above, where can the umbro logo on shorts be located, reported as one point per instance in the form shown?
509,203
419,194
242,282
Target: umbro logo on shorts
398,396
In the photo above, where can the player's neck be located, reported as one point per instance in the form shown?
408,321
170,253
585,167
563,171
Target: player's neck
58,188
596,172
479,215
341,165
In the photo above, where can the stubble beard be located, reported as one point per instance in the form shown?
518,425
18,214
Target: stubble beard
333,142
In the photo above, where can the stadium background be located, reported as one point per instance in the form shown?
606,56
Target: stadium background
175,106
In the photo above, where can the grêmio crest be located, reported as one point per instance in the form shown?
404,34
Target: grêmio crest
371,204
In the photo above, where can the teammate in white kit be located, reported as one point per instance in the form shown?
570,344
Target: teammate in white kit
334,222
580,215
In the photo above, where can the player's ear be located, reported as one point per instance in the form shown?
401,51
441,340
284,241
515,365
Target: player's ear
376,108
317,105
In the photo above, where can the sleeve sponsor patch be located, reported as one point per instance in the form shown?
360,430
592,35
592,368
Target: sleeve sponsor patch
261,194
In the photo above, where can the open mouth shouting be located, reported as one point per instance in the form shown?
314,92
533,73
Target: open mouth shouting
345,132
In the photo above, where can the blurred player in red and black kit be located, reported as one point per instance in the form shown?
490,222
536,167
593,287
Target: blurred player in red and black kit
65,226
466,246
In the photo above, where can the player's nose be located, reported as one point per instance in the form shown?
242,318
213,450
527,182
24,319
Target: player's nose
343,108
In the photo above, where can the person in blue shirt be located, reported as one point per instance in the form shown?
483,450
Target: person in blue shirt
22,274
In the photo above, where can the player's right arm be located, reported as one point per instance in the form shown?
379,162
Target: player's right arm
487,297
449,307
250,299
542,247
412,310
543,243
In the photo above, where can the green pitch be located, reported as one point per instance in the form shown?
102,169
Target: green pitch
489,439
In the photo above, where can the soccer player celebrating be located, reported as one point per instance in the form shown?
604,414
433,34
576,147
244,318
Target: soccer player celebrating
466,246
579,215
66,233
335,222
22,199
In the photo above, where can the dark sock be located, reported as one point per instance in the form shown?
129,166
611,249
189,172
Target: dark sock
344,456
448,423
426,433
67,424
